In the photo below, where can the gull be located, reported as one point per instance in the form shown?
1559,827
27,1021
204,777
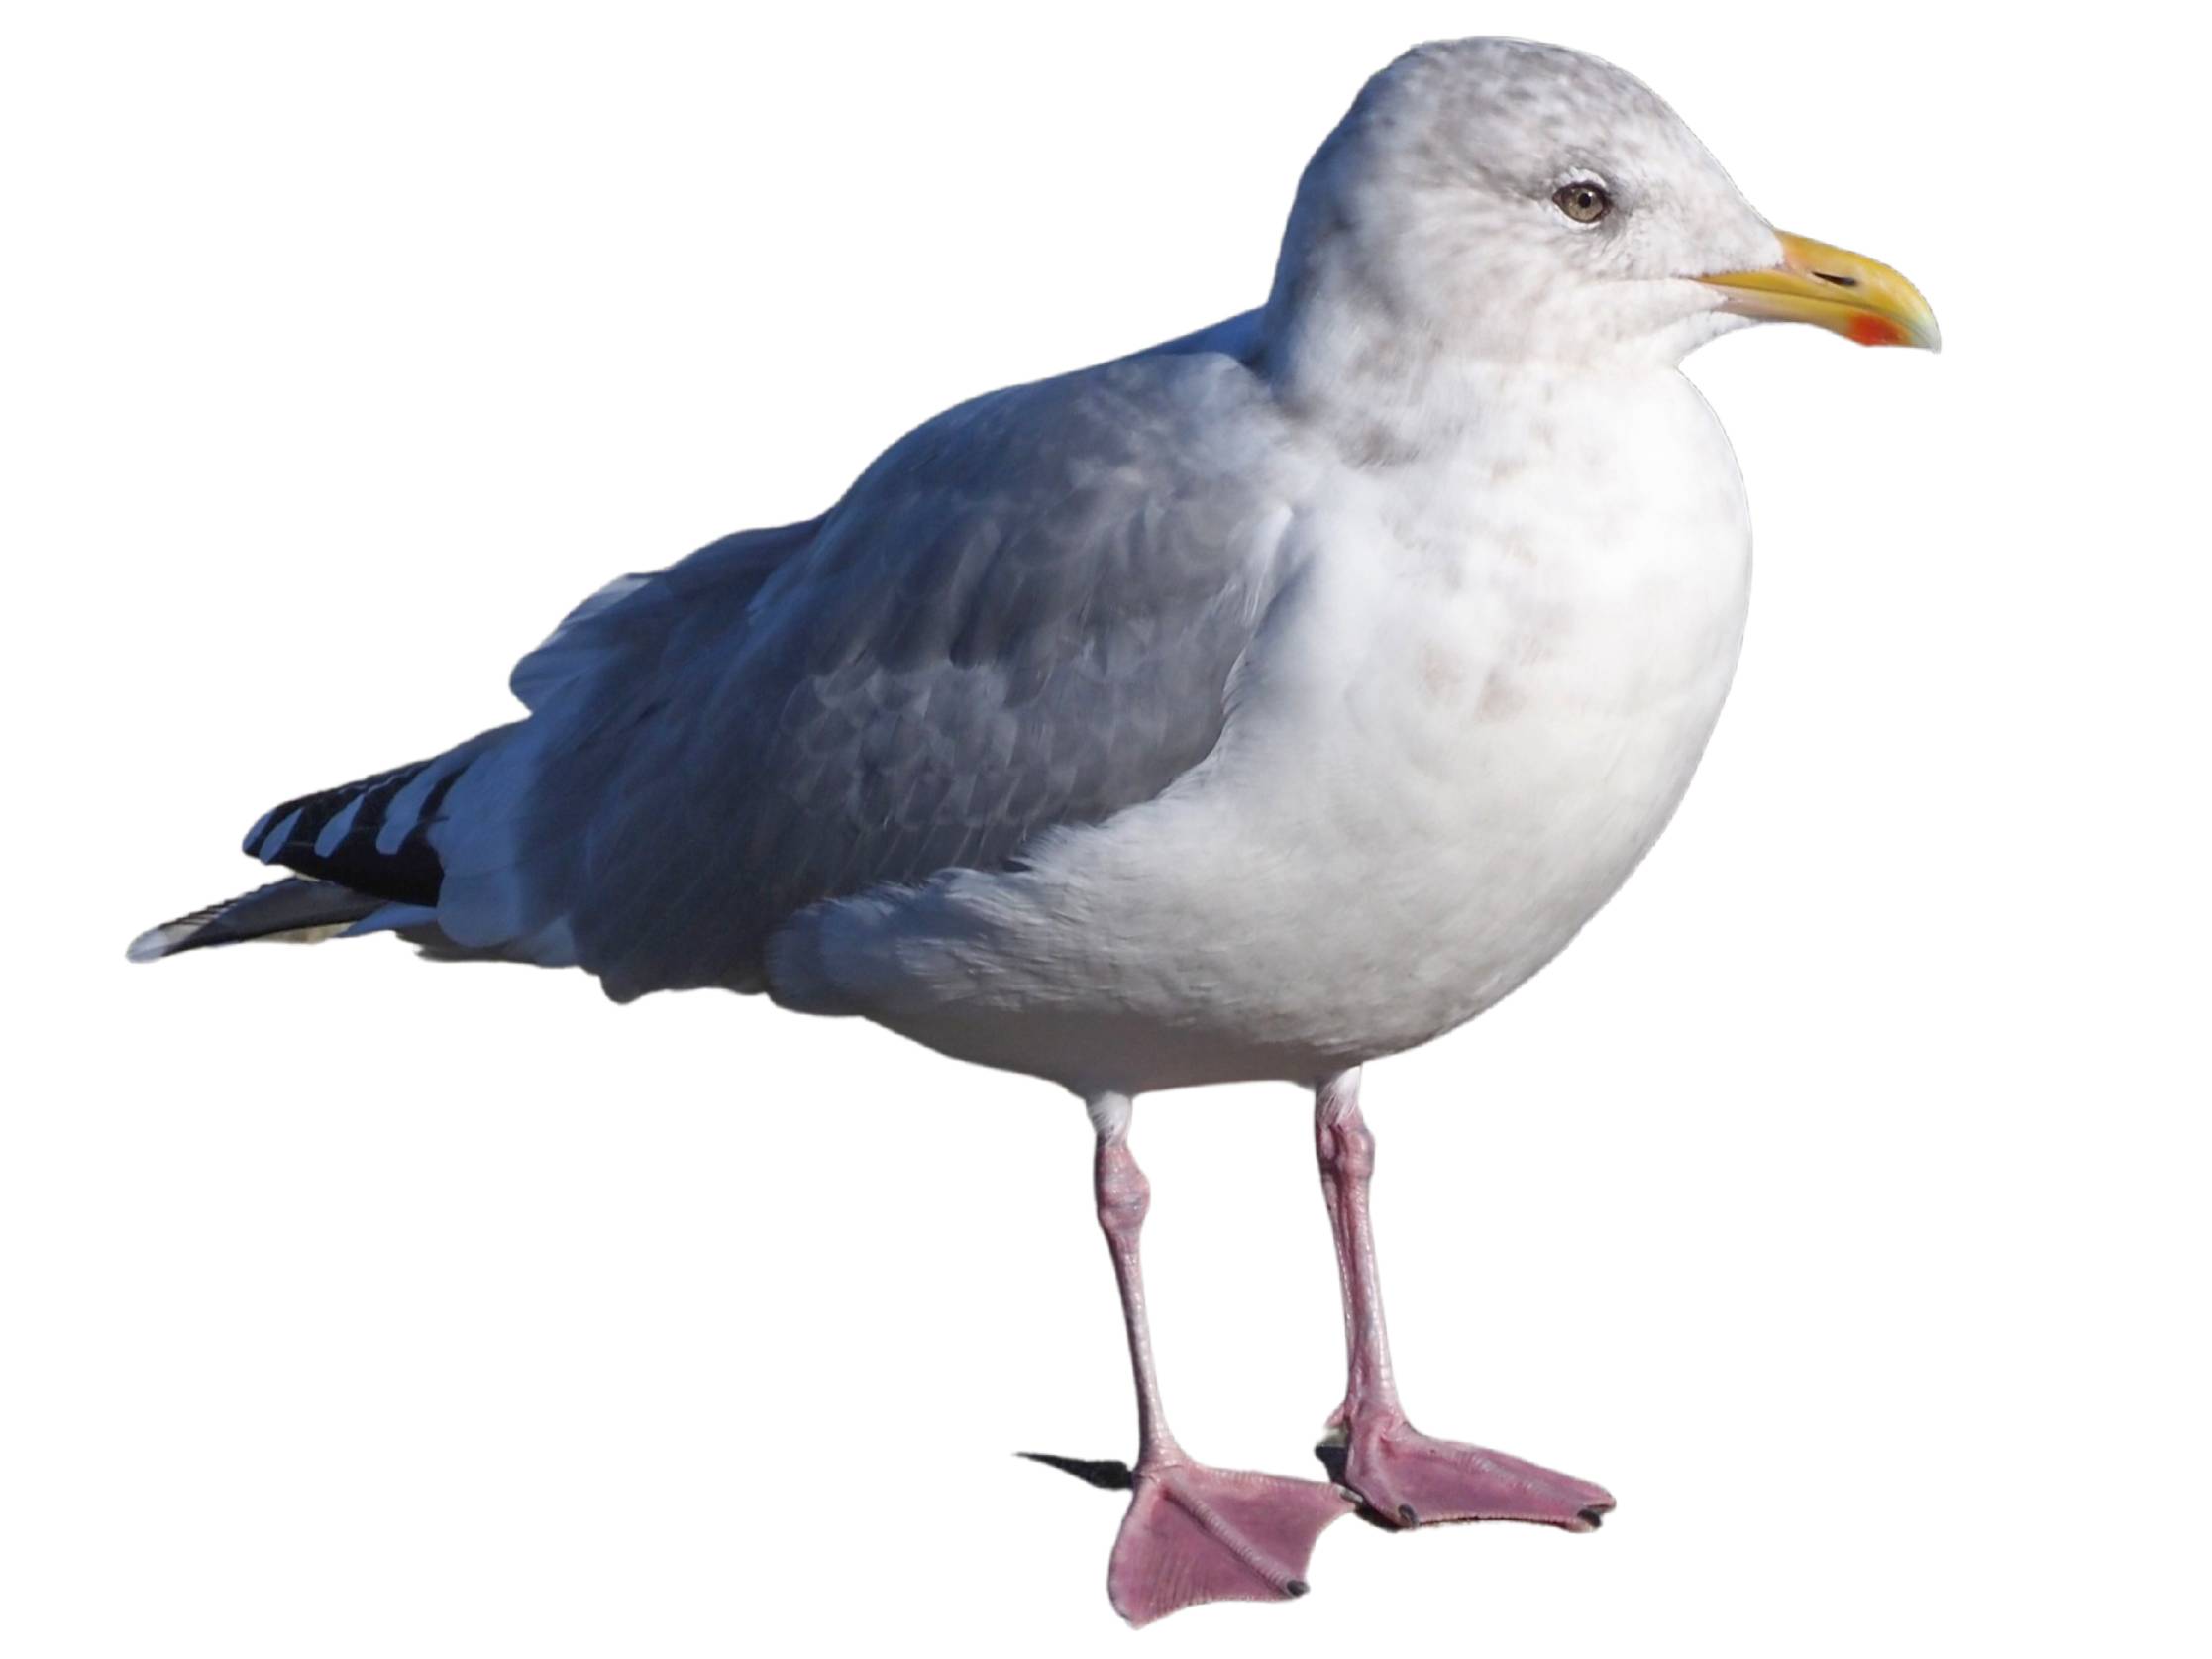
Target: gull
1247,708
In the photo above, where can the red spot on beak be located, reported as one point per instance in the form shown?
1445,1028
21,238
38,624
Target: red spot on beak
1875,331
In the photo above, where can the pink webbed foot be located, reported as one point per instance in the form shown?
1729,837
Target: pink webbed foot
1406,1477
1199,1534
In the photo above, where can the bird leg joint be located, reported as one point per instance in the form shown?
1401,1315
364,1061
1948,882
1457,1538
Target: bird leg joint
1346,1145
1124,1194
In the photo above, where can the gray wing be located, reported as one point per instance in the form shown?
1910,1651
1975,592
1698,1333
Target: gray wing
1025,615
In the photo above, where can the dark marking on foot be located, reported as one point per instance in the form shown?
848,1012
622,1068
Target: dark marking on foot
1106,1474
1406,1516
1596,1518
1297,1586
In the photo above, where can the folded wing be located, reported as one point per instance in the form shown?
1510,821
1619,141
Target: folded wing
1027,613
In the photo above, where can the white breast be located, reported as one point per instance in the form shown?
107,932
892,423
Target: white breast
1492,688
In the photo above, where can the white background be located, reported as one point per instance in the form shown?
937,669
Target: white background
1839,1199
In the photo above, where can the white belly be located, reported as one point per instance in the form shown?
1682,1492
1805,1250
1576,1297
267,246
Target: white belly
1476,718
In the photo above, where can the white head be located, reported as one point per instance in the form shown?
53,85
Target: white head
1523,205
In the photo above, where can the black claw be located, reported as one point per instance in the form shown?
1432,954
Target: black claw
1297,1586
1107,1474
1406,1516
1596,1518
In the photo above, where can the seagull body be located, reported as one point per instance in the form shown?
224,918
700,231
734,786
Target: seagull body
1251,707
1455,721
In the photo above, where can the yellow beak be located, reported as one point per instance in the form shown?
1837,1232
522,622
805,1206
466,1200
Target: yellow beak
1859,298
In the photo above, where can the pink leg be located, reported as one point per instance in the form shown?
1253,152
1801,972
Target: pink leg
1193,1533
1401,1473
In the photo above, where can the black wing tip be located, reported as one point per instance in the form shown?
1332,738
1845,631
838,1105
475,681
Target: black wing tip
158,942
297,905
183,932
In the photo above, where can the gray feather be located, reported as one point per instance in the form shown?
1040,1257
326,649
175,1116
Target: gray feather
1025,615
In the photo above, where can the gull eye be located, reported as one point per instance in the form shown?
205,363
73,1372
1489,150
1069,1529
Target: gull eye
1583,201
